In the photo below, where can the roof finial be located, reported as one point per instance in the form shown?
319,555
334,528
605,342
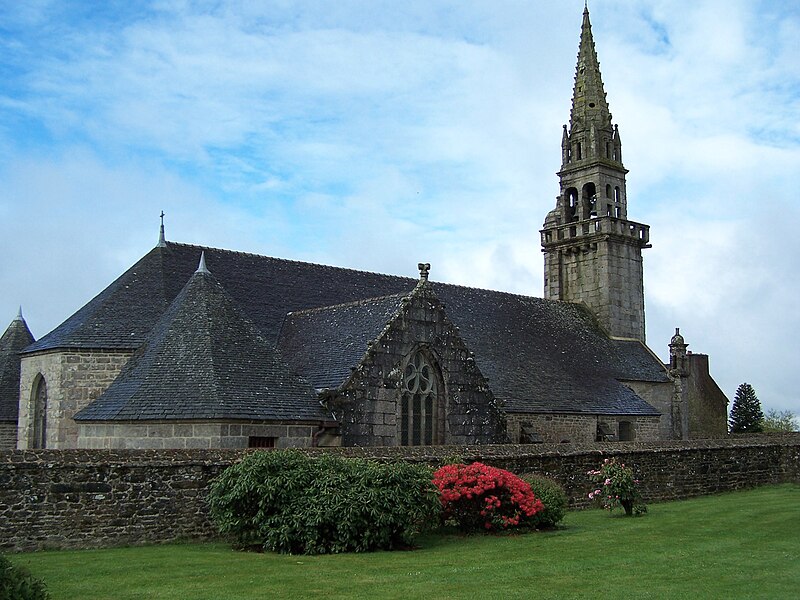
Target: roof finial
424,268
162,242
19,314
201,268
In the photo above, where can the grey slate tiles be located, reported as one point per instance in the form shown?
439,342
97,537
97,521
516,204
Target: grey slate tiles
15,338
539,355
205,359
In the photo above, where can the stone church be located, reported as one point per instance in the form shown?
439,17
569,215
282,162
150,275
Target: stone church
197,347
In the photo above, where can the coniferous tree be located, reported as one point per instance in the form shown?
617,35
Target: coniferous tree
746,415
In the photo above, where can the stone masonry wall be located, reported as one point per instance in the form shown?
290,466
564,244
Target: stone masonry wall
708,405
8,435
152,435
370,403
557,428
604,274
74,379
662,397
96,498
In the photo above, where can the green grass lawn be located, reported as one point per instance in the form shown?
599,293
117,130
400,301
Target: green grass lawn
739,545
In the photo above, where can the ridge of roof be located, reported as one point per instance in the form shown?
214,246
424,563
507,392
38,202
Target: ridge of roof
287,260
362,302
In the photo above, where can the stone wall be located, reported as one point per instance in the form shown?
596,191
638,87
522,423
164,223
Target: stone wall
179,435
602,269
8,435
665,398
95,498
708,404
370,403
563,428
74,378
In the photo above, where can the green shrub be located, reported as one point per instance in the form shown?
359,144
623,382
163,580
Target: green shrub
17,584
286,501
554,498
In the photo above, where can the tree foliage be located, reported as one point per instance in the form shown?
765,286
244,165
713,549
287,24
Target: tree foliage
746,415
779,421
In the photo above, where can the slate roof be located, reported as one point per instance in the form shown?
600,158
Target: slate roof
545,356
266,289
539,355
205,359
16,337
324,343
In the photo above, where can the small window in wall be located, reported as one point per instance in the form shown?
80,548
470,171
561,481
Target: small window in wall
626,433
421,423
604,432
528,435
257,441
39,438
580,154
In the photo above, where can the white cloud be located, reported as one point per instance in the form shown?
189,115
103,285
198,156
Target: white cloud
378,134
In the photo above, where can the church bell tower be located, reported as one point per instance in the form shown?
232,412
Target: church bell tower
592,252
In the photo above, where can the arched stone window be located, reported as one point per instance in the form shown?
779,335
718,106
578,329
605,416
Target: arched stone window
421,404
572,204
39,437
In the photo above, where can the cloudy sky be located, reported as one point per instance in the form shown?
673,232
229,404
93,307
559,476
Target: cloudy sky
376,134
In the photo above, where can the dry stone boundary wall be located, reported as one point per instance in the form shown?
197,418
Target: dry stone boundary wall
97,498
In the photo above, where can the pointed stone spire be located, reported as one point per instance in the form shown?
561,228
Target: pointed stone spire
201,268
162,240
588,98
19,316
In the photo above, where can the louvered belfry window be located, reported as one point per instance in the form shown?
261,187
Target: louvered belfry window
420,420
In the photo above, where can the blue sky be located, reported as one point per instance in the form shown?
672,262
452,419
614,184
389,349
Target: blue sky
375,135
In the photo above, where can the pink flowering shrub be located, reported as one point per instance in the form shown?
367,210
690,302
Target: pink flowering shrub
477,497
616,487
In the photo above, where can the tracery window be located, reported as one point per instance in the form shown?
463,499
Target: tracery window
420,403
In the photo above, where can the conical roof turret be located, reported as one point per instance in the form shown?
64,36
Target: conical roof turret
15,338
205,359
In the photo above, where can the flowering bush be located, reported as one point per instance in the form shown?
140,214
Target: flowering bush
617,487
478,497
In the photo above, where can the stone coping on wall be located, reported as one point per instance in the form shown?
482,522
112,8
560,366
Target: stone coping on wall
431,454
100,498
